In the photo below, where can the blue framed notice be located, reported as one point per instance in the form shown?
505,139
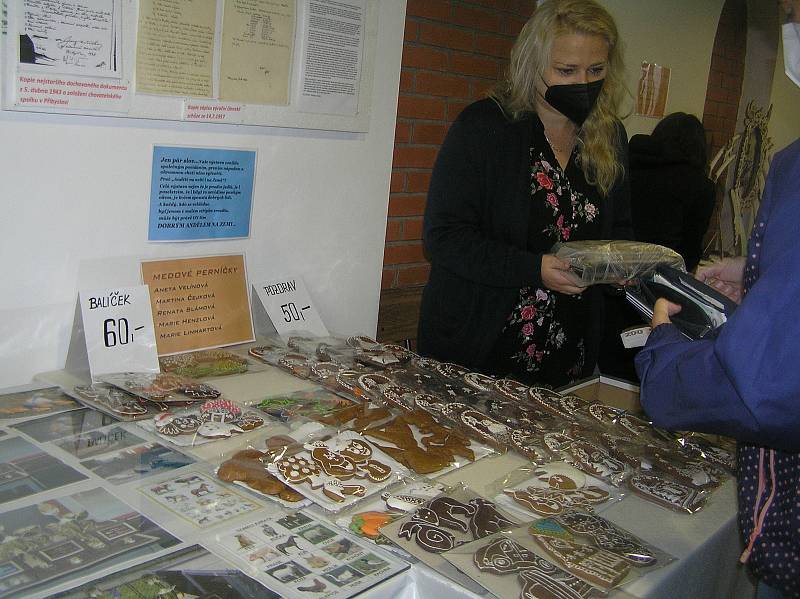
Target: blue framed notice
200,193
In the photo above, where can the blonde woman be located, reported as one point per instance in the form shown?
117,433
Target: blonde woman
542,160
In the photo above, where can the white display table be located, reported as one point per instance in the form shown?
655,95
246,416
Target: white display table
706,543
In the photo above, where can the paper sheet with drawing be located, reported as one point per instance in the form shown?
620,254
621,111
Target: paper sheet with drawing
64,36
257,41
174,48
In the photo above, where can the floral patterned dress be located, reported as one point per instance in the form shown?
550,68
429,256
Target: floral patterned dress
543,341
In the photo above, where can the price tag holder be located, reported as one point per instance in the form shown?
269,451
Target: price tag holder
119,332
289,307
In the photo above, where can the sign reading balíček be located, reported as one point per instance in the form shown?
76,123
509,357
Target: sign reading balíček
119,332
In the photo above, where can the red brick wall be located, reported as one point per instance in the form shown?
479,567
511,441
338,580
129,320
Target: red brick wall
454,51
726,75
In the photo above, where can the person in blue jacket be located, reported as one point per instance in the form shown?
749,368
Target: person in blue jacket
745,383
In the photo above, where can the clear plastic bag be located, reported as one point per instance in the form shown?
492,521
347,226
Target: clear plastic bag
335,471
550,489
615,261
588,557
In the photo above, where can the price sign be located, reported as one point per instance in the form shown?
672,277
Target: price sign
118,326
290,308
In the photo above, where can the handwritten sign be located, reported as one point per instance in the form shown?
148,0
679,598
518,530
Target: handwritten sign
118,327
289,307
200,193
199,303
211,112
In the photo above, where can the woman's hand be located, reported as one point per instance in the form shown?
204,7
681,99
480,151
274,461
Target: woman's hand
557,276
662,311
725,276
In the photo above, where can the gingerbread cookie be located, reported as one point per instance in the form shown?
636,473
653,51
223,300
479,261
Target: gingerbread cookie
557,442
297,364
529,445
696,473
246,467
547,580
511,389
429,537
557,475
428,364
596,566
219,410
607,536
479,425
199,391
173,425
539,578
543,396
551,502
297,469
116,400
481,382
337,491
248,421
450,370
705,449
504,556
594,460
667,493
218,430
348,379
331,463
326,370
362,342
487,519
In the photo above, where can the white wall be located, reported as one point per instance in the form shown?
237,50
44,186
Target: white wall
678,34
784,124
75,197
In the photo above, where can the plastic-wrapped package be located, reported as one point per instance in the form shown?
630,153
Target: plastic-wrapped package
507,565
605,261
367,518
114,401
667,493
721,451
165,388
246,468
315,404
551,489
205,363
576,554
336,471
418,442
460,515
214,420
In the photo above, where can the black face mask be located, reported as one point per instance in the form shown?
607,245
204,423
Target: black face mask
575,100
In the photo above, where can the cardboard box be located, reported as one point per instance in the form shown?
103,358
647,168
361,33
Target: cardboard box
608,390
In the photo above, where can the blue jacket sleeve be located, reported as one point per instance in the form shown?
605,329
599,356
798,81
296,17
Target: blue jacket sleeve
746,382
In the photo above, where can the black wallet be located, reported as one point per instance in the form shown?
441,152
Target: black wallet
703,308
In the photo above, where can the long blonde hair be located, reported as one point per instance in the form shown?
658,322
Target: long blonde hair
531,55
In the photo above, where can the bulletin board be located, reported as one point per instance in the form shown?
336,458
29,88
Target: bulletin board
281,63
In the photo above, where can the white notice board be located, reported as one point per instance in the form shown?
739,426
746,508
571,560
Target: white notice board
311,61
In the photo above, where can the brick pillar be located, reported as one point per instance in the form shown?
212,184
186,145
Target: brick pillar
725,76
454,51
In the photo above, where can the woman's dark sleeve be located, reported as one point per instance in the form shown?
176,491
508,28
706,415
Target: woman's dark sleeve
622,226
695,221
458,234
